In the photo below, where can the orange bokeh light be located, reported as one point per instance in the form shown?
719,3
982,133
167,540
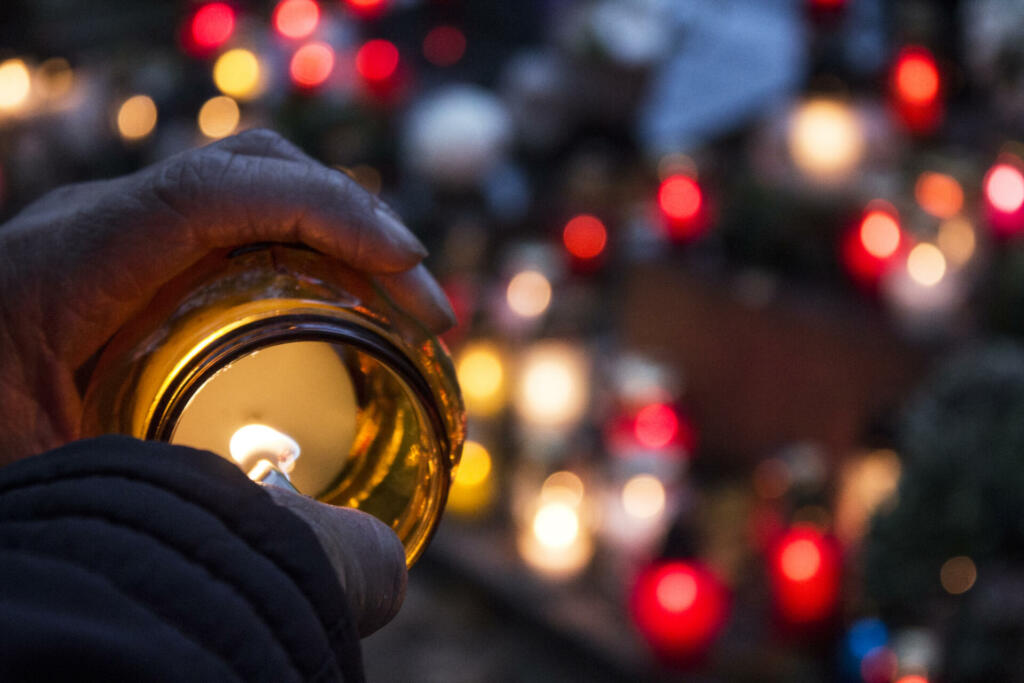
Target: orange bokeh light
444,45
296,18
939,194
917,76
880,234
585,236
377,60
312,64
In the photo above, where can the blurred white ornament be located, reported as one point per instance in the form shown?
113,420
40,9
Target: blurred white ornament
458,135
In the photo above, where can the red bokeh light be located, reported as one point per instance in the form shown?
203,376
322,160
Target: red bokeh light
377,60
916,76
296,18
212,25
367,8
585,236
444,45
680,607
913,678
682,204
874,244
312,64
805,575
656,426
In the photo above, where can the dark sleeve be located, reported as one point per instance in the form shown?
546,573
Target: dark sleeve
123,560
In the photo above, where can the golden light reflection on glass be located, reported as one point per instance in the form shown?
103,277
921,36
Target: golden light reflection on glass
939,194
958,574
237,73
15,84
957,240
219,117
826,139
482,378
926,265
136,117
553,386
529,293
643,496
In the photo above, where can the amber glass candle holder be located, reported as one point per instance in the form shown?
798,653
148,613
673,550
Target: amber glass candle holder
289,364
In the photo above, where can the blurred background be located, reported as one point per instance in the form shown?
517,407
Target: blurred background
740,290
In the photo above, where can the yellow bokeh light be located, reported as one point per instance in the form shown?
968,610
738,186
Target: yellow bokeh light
957,240
562,486
237,73
219,117
556,525
482,378
826,139
137,117
15,84
552,390
475,465
958,574
643,497
529,293
926,265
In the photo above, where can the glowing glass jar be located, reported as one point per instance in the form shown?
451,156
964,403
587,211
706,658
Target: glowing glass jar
278,358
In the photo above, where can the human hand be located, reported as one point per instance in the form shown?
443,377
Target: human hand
365,553
82,260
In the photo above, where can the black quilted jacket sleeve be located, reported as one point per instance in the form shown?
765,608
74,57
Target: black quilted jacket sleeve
123,560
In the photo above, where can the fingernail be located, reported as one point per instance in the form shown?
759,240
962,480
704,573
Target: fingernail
403,236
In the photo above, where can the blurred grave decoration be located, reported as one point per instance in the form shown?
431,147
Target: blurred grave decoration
838,184
947,555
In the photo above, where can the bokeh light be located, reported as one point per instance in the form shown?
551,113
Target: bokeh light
957,240
377,60
805,575
926,265
556,525
312,64
958,574
54,78
444,45
656,425
212,25
15,84
679,197
481,376
296,18
564,486
643,496
367,8
553,385
912,678
472,489
136,118
939,194
1004,188
219,117
800,560
880,233
826,139
680,607
916,76
585,236
528,293
237,73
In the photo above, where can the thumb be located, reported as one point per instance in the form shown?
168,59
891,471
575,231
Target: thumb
365,553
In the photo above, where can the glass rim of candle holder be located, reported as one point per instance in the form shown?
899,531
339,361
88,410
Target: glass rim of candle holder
144,380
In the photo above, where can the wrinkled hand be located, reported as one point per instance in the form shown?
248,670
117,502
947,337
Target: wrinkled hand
82,260
366,555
